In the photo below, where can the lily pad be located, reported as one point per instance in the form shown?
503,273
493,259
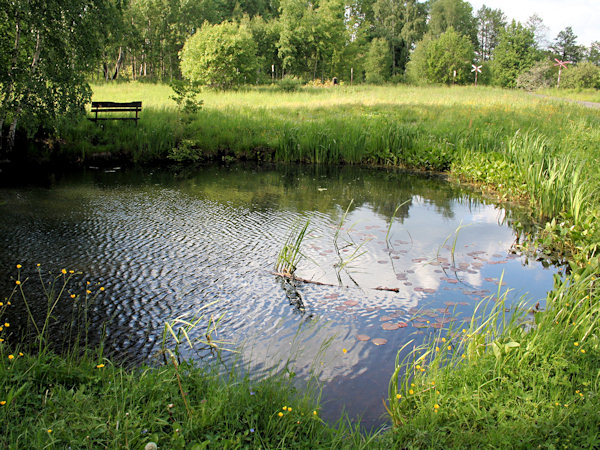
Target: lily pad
389,326
362,337
379,341
351,302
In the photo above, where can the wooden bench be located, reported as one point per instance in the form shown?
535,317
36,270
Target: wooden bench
102,107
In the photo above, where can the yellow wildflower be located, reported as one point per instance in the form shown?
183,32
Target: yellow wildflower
449,347
49,430
437,349
11,356
7,324
3,402
411,392
99,366
398,396
314,413
64,271
101,288
289,409
285,408
582,351
344,350
19,266
72,295
71,271
575,344
443,339
436,406
88,292
17,282
280,414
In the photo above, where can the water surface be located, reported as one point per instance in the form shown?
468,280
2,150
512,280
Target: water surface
164,244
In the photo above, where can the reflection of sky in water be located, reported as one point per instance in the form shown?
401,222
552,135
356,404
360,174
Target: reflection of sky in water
165,245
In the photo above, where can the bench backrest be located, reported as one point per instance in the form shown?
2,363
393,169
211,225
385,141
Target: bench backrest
126,106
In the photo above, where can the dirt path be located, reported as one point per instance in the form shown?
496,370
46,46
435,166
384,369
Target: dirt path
592,105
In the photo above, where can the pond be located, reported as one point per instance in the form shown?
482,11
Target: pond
388,256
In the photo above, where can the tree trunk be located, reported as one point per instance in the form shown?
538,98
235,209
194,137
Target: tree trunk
12,131
118,64
9,85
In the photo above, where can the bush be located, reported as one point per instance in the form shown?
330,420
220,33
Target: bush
221,56
541,76
584,75
289,84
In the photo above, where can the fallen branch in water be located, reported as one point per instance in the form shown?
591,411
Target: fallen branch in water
304,280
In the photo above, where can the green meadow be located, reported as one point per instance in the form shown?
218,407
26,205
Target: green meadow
493,382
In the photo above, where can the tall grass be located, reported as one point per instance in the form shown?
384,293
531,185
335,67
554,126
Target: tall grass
529,381
81,399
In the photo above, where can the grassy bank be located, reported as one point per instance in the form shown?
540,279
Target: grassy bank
520,146
80,399
494,384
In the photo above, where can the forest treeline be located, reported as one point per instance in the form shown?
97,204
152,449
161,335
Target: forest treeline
50,50
257,41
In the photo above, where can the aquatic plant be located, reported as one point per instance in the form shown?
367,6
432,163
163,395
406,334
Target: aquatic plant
290,254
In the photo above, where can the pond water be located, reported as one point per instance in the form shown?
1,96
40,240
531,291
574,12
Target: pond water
165,243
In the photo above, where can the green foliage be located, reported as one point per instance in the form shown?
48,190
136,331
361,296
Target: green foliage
220,56
312,37
490,23
514,54
289,84
185,95
584,75
42,67
456,14
565,46
379,61
436,60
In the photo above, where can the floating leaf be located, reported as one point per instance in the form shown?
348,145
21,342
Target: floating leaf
362,337
341,308
351,302
388,326
429,291
402,324
385,318
379,341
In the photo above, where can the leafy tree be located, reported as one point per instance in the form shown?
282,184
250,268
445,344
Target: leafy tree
540,31
379,61
593,55
402,24
312,36
565,46
490,23
221,55
514,54
436,60
457,14
46,49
